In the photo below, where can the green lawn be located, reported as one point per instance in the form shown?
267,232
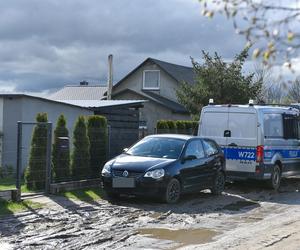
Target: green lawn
10,183
11,207
86,194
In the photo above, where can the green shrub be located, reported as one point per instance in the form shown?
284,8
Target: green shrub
97,133
35,173
162,127
180,127
60,156
80,163
172,126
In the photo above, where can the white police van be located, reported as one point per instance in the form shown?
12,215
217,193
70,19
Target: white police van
259,141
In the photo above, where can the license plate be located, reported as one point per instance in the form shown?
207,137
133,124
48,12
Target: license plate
122,182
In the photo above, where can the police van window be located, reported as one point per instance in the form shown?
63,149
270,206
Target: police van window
195,148
210,147
242,125
273,125
290,126
214,124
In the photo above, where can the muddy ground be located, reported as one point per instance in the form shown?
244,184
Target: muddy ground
246,216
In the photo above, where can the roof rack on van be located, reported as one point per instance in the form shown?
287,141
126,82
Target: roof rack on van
293,105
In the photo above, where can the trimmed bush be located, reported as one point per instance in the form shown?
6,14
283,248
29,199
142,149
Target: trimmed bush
80,162
97,133
60,155
35,173
172,126
177,127
180,127
162,127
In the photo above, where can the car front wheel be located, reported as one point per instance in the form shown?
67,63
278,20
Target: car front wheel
173,191
219,183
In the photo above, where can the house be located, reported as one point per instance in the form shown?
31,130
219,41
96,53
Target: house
123,116
83,91
157,82
21,107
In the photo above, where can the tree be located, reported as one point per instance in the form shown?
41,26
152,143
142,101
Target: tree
294,91
60,153
35,173
272,25
224,82
80,163
97,133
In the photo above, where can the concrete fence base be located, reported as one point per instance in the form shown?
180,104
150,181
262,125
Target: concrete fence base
12,194
72,185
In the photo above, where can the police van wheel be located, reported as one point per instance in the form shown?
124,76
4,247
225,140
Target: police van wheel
275,180
219,184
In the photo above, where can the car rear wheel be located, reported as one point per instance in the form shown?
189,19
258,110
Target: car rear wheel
219,183
173,191
275,180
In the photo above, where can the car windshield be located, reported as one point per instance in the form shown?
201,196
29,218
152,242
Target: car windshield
158,147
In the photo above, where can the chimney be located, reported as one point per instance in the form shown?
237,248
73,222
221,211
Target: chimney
84,83
110,76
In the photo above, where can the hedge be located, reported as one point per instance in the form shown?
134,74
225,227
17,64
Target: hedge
177,127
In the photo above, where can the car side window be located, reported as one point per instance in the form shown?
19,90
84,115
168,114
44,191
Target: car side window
210,147
195,148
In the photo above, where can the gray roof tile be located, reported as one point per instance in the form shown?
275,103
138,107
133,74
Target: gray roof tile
78,92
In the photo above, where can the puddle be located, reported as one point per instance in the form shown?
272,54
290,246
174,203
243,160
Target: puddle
182,236
155,215
240,205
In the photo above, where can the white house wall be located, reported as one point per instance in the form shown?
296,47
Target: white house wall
25,109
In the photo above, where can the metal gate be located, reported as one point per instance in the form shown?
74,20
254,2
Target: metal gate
33,171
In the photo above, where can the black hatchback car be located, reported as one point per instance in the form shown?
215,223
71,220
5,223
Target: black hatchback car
166,166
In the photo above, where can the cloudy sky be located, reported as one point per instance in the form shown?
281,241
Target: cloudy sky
45,44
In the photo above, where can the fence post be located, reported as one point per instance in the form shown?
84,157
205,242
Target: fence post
108,141
48,158
19,161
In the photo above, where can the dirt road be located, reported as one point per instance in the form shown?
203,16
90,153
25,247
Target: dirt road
244,217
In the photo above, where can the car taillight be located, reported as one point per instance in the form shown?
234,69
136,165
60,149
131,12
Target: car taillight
259,153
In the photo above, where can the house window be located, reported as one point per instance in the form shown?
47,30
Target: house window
151,79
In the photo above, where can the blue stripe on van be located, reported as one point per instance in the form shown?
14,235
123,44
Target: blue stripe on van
233,153
249,154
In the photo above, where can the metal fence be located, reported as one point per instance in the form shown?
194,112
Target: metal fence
43,159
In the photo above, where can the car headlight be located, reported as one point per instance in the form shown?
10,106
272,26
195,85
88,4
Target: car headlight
155,174
106,171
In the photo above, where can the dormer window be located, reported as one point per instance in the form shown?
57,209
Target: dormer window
151,79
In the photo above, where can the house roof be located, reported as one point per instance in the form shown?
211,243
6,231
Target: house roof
80,92
177,72
173,106
104,103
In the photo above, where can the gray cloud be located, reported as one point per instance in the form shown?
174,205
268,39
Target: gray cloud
46,44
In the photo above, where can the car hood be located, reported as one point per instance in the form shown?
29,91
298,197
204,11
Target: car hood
139,163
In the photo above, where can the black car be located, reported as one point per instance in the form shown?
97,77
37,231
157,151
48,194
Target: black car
166,166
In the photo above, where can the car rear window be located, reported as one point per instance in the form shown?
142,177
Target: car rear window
210,147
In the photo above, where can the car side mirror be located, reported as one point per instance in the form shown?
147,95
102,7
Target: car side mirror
125,150
189,158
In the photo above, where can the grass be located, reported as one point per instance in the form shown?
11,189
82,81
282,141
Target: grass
86,194
11,207
10,183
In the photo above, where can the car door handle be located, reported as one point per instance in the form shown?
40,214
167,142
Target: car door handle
232,145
